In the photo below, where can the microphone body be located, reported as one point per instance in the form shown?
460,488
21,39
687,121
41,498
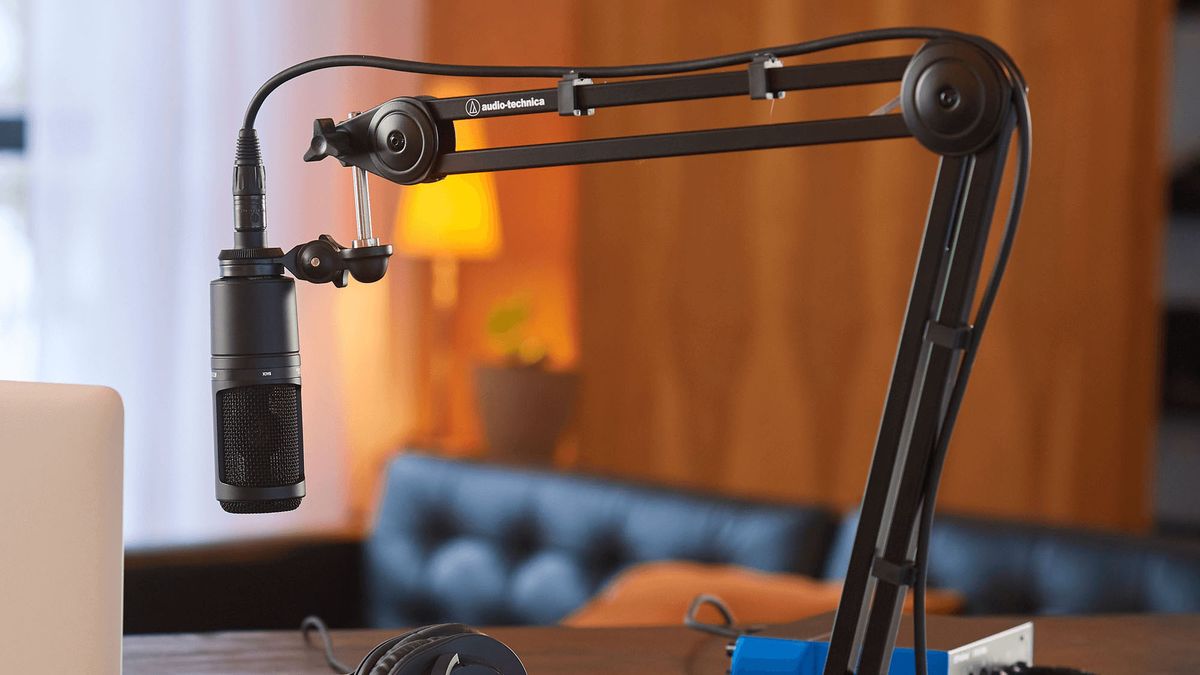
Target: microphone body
256,394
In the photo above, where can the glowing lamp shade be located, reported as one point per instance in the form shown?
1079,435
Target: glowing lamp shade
454,218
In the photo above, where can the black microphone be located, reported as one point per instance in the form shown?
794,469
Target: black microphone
255,360
256,394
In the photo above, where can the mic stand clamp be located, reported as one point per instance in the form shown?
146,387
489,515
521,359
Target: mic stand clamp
320,261
323,260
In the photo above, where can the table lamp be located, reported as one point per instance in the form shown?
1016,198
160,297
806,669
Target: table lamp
454,219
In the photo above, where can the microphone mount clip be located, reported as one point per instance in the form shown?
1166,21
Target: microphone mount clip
323,260
320,261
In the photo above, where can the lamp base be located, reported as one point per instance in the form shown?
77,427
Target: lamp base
524,411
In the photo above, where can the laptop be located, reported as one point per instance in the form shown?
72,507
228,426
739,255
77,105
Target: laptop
61,556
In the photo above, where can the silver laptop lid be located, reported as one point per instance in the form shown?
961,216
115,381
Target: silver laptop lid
60,527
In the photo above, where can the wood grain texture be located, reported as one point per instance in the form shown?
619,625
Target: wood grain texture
537,208
739,313
1113,645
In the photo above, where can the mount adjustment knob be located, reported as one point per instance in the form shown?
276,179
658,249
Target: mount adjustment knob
327,141
954,97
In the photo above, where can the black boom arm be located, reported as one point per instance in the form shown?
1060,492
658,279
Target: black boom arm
960,97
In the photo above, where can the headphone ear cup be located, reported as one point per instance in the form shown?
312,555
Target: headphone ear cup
375,654
396,654
384,657
441,630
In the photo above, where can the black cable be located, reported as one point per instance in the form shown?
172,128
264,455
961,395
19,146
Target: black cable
727,629
938,459
313,623
250,228
691,617
666,68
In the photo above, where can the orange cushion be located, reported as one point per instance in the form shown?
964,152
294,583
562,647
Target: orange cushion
658,594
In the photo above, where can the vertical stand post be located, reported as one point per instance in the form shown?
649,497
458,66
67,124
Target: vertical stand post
878,497
933,334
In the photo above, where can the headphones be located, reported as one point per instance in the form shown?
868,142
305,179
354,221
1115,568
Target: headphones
441,649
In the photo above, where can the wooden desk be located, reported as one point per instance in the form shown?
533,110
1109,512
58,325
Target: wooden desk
1110,645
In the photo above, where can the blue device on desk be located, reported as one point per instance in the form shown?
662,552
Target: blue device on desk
779,656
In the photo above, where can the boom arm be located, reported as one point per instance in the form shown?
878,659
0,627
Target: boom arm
956,98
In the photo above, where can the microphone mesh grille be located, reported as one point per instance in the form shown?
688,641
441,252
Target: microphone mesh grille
260,435
261,505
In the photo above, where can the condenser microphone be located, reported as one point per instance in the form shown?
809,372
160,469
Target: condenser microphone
259,438
256,394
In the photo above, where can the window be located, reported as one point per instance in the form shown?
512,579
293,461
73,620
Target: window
18,340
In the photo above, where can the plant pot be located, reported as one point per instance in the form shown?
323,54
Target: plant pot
524,410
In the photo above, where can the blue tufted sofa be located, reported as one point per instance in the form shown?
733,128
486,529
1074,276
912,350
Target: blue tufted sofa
493,545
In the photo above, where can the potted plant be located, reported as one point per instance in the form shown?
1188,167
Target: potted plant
524,405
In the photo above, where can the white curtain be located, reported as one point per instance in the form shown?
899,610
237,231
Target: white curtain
134,106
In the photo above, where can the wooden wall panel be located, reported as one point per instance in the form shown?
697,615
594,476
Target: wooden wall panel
537,208
739,313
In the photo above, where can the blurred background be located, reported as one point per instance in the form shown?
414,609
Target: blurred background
724,324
